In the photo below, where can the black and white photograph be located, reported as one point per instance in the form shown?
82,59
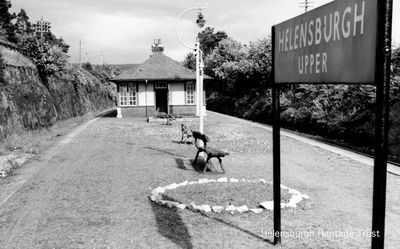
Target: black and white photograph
191,124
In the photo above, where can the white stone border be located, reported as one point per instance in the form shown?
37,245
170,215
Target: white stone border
156,196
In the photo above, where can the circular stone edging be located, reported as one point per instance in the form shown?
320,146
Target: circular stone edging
156,196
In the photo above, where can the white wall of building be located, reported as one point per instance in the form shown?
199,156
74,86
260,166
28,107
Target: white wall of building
150,94
177,94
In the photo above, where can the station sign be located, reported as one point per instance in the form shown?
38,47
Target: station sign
335,43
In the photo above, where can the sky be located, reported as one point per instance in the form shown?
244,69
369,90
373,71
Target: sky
122,31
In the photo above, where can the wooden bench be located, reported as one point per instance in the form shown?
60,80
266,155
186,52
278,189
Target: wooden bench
186,133
211,152
170,118
166,116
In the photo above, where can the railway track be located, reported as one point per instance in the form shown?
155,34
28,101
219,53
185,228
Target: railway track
338,146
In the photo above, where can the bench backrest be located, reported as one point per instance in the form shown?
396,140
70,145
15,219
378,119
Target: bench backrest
197,135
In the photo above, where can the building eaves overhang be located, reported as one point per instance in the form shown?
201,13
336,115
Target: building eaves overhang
158,67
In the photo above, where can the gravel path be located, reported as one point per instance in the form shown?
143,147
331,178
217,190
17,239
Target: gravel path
93,192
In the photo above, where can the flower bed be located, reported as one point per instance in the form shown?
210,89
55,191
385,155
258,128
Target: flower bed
224,195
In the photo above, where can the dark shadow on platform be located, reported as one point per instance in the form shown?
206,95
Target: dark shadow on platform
109,114
180,163
200,164
163,151
171,226
238,228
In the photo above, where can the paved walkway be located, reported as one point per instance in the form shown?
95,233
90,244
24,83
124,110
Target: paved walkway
91,191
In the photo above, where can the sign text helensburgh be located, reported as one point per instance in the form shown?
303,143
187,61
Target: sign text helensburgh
335,43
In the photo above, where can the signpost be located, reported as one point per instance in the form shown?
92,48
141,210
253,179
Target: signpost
342,42
335,43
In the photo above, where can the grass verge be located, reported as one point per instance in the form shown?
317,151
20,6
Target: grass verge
17,148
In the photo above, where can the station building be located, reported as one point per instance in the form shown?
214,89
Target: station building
159,85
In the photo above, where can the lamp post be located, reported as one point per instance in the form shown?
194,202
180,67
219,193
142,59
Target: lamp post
199,63
146,99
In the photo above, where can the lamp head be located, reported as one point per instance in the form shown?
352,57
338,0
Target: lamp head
200,20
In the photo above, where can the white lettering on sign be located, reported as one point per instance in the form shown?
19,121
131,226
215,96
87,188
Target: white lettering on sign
311,38
317,31
359,19
346,25
328,37
336,18
328,28
314,63
310,33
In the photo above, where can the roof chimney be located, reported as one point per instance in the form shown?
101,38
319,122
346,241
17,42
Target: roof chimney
157,47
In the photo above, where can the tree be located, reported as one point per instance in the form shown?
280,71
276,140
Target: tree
48,52
396,61
209,40
227,63
88,67
190,61
22,24
25,37
3,33
6,21
241,67
260,55
49,58
53,40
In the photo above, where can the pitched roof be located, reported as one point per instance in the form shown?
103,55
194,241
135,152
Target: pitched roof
158,67
125,67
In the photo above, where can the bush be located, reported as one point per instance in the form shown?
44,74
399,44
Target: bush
88,67
394,132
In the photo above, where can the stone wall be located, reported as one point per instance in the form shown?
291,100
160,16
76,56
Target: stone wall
184,110
26,102
140,111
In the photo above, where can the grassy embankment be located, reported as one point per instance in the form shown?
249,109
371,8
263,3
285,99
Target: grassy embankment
19,147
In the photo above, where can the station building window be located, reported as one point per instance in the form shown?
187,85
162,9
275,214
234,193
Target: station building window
190,93
128,94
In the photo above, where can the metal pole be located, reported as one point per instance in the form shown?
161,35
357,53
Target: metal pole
146,98
276,165
119,114
102,58
382,82
80,53
197,78
201,114
306,6
276,149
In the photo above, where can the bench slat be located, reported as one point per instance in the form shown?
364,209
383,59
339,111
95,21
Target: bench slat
215,152
203,137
